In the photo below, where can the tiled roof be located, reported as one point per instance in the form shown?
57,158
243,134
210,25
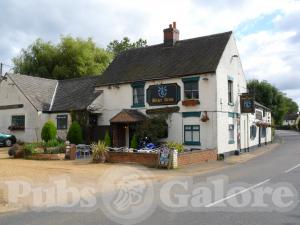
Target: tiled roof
38,91
75,94
65,95
186,57
128,116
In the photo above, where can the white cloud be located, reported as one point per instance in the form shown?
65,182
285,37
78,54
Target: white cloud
266,54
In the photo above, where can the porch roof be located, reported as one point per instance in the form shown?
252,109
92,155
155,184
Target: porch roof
128,116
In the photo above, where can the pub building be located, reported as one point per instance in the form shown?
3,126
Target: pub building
198,82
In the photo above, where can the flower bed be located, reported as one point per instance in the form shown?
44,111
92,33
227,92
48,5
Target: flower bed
51,150
38,156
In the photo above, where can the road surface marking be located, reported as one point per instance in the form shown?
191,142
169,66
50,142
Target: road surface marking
241,192
295,167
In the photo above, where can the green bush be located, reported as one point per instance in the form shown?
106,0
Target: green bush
30,148
107,139
75,133
49,131
154,127
177,146
134,142
58,145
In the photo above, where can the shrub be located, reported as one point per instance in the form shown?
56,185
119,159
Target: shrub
49,131
107,139
177,146
30,149
58,145
134,142
155,128
75,133
99,151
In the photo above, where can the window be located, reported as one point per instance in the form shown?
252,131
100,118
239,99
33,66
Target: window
138,95
258,114
264,132
62,122
93,119
191,90
17,122
192,134
231,134
230,92
253,132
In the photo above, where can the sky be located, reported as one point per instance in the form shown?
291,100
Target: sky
267,31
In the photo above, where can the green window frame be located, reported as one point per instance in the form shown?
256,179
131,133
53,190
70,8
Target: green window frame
191,88
192,135
231,134
138,94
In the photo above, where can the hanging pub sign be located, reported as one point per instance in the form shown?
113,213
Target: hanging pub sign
247,103
163,94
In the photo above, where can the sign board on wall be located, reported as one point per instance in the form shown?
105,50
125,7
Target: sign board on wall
163,94
247,103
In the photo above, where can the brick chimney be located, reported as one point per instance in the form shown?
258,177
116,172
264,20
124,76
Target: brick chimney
171,35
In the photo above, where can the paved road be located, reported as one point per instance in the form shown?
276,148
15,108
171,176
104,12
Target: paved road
275,167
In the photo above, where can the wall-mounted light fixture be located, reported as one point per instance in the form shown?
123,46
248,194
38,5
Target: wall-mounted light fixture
205,78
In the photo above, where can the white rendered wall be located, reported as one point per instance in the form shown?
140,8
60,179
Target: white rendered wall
11,95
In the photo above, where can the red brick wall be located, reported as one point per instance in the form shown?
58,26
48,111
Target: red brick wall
146,159
194,157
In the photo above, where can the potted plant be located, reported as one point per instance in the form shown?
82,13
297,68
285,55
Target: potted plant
190,102
99,151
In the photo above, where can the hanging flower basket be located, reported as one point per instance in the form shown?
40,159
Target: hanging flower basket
205,117
190,102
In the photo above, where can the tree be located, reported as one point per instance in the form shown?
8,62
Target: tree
75,133
155,128
134,142
107,139
116,47
70,58
48,131
271,97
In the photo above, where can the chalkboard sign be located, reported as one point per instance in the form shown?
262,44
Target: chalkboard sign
163,94
247,103
164,157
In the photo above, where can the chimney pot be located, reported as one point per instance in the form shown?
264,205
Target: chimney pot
171,35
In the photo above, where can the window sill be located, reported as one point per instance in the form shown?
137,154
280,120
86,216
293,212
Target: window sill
16,128
138,106
231,142
192,143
